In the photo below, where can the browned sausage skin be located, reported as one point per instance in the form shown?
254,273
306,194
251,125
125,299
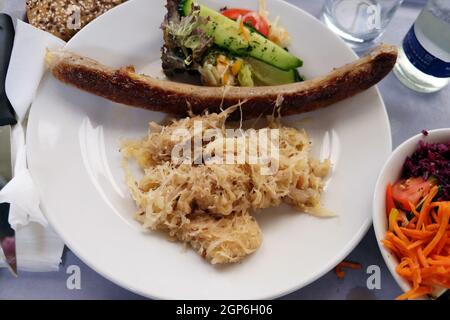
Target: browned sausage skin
127,87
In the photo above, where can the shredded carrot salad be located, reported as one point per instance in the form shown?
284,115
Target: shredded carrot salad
339,270
244,30
421,242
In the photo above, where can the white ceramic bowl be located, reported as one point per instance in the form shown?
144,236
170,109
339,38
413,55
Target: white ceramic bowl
390,174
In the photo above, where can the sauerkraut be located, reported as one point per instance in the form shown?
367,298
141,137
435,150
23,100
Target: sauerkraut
209,205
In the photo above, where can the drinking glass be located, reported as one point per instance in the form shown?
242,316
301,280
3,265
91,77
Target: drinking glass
359,22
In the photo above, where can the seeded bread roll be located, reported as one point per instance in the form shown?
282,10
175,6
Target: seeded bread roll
64,18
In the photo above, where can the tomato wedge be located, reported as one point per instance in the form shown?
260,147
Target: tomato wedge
250,18
389,200
235,13
411,190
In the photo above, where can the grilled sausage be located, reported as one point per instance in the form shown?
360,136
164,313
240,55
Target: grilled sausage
129,88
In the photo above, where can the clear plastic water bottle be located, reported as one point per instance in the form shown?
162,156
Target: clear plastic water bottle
424,58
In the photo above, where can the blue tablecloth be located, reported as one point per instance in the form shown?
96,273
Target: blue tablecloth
409,113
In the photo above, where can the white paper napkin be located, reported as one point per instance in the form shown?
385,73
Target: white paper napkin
38,247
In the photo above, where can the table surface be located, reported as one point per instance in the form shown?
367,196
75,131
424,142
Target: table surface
409,113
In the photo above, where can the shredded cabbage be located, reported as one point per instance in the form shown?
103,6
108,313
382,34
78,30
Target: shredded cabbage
208,205
277,33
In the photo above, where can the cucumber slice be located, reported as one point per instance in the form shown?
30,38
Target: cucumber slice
268,75
227,34
185,7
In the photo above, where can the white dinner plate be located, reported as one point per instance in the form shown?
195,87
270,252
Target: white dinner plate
73,153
